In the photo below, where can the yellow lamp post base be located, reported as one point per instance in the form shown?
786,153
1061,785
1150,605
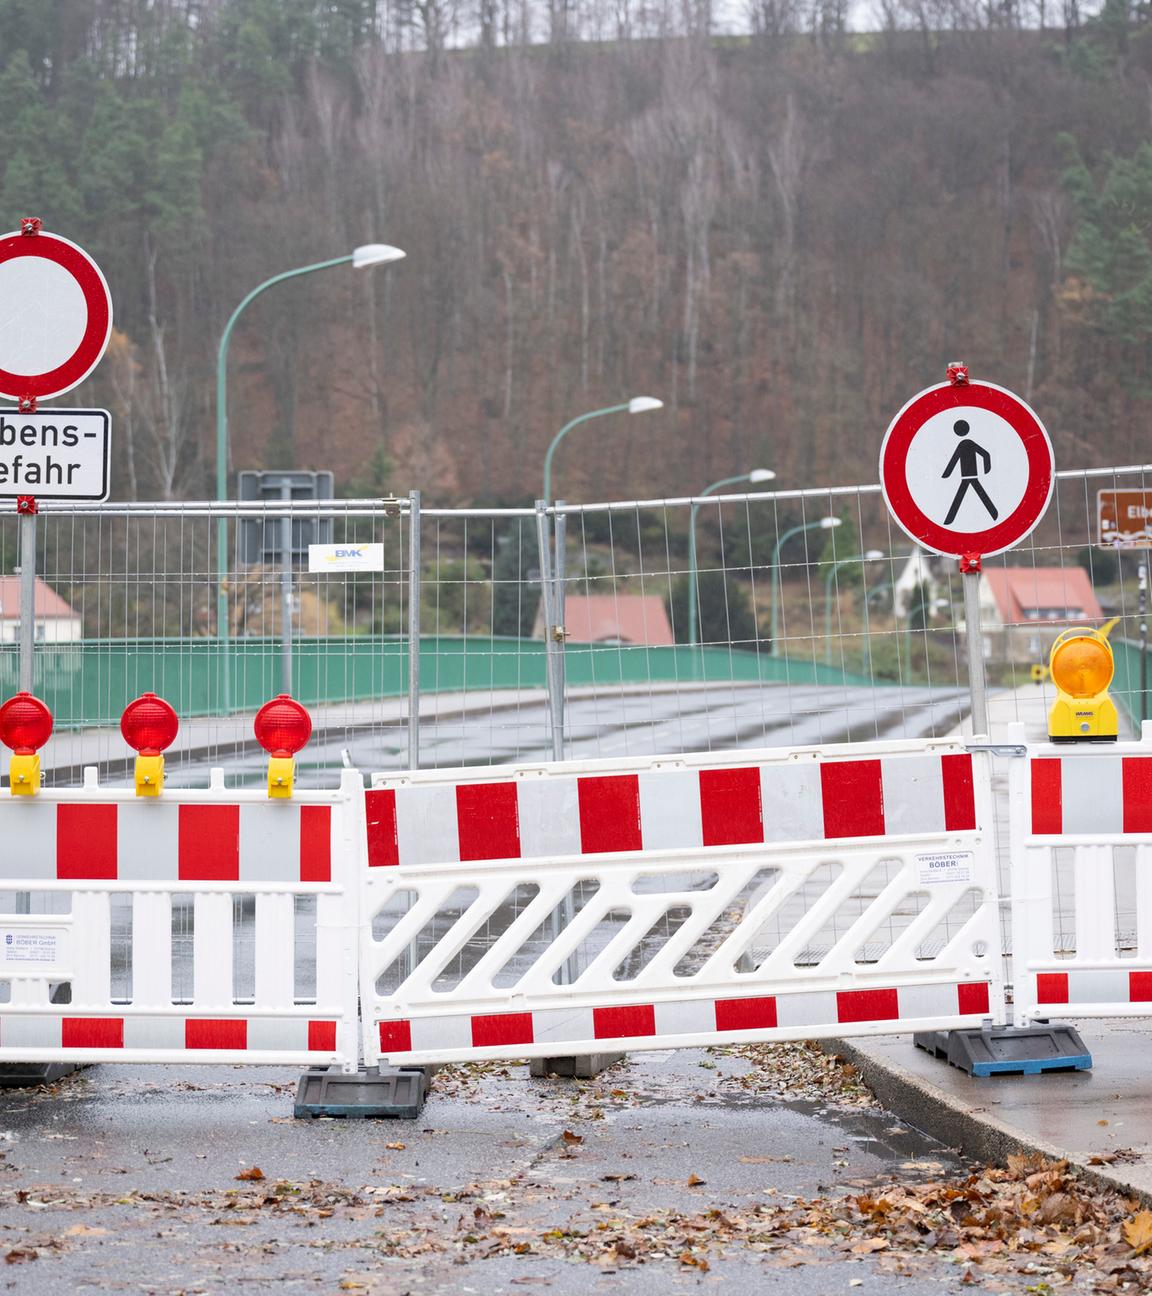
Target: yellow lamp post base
24,775
281,775
149,776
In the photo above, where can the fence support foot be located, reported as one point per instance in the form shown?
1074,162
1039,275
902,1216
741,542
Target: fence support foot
1009,1050
22,1075
584,1067
386,1091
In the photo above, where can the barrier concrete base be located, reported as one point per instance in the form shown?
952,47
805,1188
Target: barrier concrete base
22,1075
388,1092
1009,1050
585,1067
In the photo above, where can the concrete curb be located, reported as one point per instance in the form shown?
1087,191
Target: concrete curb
967,1127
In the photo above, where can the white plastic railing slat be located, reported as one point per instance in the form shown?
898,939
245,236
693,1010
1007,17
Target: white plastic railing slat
152,949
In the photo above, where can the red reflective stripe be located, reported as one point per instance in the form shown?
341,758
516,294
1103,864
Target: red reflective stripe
86,842
1047,806
383,845
853,798
621,1023
610,814
215,1033
92,1032
209,846
867,1005
972,997
730,810
1140,987
396,1036
1137,776
316,843
746,1014
321,1037
1052,987
488,821
959,794
502,1028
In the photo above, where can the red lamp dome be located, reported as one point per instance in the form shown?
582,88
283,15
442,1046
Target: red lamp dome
25,724
282,726
149,724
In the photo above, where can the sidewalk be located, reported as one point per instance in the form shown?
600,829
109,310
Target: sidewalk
1101,1120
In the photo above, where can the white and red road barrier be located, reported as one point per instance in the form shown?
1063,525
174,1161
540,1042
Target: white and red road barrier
79,848
1080,831
776,894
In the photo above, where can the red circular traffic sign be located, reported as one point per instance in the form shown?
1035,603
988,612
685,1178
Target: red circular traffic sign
967,468
55,315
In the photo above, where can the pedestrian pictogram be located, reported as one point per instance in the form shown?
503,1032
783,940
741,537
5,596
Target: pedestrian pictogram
966,468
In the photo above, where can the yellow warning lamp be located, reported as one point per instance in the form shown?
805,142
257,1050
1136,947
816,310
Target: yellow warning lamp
25,726
1081,666
149,725
282,727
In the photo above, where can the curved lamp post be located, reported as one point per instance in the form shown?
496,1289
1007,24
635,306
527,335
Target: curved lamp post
873,555
637,405
824,524
756,475
361,258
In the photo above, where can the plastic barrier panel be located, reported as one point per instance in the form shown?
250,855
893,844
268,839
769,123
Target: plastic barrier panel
679,901
1081,833
198,926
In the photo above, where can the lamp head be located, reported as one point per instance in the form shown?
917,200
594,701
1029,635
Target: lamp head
761,475
640,404
374,254
829,522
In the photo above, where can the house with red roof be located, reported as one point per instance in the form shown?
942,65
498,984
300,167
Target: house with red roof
1023,609
56,621
635,619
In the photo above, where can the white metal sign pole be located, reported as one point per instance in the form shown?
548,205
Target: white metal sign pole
974,638
27,509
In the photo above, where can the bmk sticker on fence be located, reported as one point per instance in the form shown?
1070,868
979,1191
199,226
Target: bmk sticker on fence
346,558
946,866
55,454
29,946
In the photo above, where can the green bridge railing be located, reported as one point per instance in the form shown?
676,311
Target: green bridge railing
89,682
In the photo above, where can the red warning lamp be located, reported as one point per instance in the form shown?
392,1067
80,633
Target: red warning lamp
25,726
149,725
282,727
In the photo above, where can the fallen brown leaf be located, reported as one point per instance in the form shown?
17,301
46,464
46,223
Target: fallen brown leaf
1138,1232
694,1181
569,1137
252,1174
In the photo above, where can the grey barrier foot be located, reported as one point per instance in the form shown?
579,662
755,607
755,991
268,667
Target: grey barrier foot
22,1075
397,1092
584,1067
1009,1050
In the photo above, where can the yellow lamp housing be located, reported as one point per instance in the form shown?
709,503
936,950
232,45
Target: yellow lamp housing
1081,666
281,773
149,775
24,774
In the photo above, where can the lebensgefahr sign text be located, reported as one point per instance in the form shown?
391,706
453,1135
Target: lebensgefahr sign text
55,454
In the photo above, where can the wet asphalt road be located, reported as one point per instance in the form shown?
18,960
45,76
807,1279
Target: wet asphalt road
124,1179
613,725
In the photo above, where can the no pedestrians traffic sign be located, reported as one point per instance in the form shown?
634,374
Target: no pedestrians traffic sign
967,469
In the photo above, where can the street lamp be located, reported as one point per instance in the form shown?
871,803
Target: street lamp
824,524
637,405
873,555
362,258
756,475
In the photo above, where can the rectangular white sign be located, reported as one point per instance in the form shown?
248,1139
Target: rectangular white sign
55,454
25,945
945,866
346,558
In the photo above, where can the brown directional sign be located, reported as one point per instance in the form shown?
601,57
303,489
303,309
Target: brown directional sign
1124,519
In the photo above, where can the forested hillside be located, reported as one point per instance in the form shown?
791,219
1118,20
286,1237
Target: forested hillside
783,232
